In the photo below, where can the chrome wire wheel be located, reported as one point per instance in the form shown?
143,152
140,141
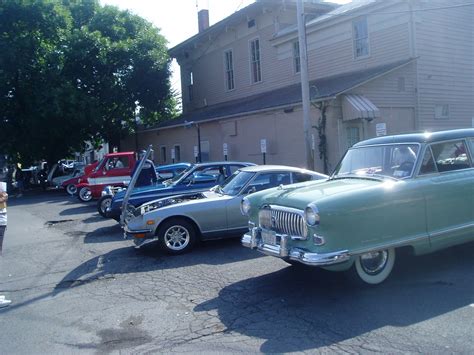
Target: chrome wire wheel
176,238
71,189
374,267
85,194
104,203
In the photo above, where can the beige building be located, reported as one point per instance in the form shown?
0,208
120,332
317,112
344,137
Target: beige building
375,67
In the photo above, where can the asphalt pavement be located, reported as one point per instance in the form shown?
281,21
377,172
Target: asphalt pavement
78,287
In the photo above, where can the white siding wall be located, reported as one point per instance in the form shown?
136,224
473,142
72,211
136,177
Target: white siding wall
445,66
330,49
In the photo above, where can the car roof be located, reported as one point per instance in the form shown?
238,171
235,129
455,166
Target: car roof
424,137
118,154
171,166
225,163
260,168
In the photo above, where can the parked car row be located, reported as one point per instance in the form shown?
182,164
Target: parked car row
412,191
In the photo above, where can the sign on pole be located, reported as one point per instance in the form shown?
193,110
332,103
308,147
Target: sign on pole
263,146
196,151
173,153
381,129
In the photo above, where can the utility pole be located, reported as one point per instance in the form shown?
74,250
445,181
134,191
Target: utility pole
304,84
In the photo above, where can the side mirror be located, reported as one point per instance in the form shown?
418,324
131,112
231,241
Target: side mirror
251,190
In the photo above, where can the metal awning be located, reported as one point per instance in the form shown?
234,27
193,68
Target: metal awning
358,106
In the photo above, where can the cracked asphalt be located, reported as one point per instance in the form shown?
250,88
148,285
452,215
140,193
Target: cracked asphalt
78,287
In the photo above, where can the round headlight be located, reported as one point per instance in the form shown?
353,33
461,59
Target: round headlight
311,215
245,206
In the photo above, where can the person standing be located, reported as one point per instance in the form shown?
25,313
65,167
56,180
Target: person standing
19,178
148,175
3,226
3,213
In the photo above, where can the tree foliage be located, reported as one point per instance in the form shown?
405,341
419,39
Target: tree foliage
75,71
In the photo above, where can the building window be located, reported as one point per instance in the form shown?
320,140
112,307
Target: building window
442,112
163,154
229,70
352,136
255,61
205,151
360,35
296,57
190,86
177,153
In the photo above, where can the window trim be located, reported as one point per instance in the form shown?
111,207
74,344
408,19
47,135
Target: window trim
163,157
176,157
252,82
231,51
296,57
442,107
353,39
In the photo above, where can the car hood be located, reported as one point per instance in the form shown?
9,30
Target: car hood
299,197
144,190
184,200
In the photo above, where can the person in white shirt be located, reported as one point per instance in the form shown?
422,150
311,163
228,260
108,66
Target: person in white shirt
3,226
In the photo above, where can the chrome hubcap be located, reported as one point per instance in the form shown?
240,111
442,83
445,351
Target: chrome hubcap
106,204
374,262
86,194
177,237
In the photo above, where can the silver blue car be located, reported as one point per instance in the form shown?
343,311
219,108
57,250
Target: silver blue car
179,221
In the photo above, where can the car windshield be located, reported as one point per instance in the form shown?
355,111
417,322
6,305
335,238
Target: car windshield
180,176
234,184
382,161
99,164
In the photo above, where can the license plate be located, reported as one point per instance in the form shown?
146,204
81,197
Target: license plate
269,237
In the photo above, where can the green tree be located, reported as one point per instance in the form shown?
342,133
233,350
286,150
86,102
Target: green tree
75,71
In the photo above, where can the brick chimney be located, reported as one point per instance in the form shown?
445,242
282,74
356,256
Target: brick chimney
203,20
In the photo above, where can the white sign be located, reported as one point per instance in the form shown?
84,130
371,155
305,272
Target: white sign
263,145
313,142
173,154
3,186
225,148
196,151
381,129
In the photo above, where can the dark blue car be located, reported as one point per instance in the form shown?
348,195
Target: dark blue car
170,171
198,177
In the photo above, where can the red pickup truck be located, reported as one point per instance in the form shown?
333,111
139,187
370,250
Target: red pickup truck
113,170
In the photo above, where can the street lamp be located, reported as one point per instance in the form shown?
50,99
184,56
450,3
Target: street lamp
188,125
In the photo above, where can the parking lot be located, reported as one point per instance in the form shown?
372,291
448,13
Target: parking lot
77,286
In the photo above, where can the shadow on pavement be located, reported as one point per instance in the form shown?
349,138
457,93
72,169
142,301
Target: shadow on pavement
299,309
104,234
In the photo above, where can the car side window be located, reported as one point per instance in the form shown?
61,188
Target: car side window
450,156
268,180
301,177
428,165
471,142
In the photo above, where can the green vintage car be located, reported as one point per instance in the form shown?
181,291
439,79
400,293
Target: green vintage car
411,191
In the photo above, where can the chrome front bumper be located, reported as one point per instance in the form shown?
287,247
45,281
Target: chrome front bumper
139,242
253,240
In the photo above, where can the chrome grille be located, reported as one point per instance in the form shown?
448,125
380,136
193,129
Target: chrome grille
283,220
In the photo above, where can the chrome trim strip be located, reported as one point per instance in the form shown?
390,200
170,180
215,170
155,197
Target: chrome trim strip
126,230
454,229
